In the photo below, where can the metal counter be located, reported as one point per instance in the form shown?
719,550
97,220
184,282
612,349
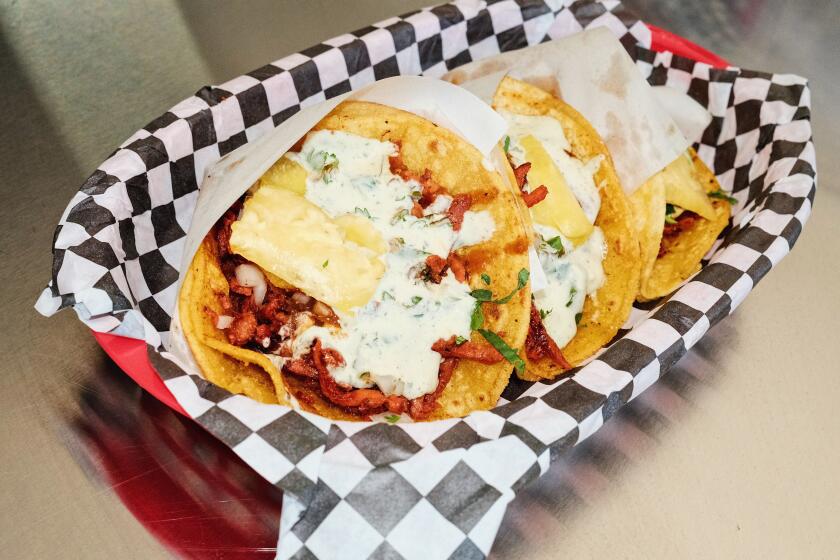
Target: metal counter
731,455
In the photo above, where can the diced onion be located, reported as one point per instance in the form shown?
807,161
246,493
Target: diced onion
302,322
223,321
250,276
320,309
300,298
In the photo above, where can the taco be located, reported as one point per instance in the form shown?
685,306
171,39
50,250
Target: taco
568,190
679,213
378,267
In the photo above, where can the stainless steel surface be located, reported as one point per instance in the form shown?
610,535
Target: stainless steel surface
732,455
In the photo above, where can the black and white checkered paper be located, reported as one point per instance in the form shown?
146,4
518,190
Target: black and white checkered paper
426,490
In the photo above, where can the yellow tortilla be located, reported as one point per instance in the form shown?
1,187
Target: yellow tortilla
683,252
648,205
455,165
604,312
238,370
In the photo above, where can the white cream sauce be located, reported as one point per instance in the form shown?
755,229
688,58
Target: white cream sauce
574,272
388,342
571,277
549,132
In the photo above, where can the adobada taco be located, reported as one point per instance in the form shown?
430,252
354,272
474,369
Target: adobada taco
679,212
581,228
379,267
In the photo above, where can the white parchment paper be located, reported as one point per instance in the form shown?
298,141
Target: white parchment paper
593,73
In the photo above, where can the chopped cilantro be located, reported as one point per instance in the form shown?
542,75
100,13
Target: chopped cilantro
486,279
326,263
482,295
459,340
523,279
572,293
669,214
416,299
578,317
487,295
327,159
399,216
477,318
323,162
504,349
544,313
723,196
557,244
392,418
387,295
363,211
507,144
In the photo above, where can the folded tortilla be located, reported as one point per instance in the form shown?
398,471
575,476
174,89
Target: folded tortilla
605,311
425,150
669,260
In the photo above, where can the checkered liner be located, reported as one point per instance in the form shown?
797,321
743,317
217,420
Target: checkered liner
433,489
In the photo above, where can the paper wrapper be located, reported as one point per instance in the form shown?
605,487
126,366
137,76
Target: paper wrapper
593,73
424,490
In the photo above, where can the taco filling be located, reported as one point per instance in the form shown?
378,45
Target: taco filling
350,272
581,229
570,247
680,212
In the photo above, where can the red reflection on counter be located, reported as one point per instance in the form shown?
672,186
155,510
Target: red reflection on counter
187,488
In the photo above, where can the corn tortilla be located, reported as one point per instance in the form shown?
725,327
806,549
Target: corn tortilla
683,252
457,166
605,311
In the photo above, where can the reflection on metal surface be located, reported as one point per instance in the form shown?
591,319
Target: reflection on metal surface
194,495
722,21
576,481
188,489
